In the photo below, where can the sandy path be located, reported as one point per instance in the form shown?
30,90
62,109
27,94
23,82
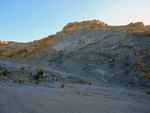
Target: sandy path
73,98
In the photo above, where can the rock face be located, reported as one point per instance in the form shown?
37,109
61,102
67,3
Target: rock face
91,50
19,50
6,42
99,25
85,25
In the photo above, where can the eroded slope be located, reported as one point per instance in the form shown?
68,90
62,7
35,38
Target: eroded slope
92,50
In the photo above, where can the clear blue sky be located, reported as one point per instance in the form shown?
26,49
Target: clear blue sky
28,20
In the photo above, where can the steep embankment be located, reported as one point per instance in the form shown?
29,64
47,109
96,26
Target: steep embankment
92,50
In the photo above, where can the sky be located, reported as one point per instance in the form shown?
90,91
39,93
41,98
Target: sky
29,20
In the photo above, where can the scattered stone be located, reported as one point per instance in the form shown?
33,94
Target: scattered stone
10,81
4,77
49,60
135,78
25,82
13,69
101,72
105,81
44,74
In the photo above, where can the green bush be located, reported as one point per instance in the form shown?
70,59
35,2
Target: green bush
22,68
39,73
62,85
5,72
36,82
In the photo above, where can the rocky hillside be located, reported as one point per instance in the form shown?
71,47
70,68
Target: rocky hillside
91,50
20,50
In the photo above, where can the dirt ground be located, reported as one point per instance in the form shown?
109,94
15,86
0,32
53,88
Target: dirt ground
72,98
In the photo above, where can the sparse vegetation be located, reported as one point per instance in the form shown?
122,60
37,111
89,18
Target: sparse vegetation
131,83
90,83
36,82
49,60
62,85
37,76
81,81
5,72
39,73
22,68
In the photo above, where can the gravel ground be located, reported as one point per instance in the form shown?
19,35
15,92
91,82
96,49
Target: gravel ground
72,98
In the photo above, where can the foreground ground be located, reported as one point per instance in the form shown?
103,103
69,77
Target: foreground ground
73,98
